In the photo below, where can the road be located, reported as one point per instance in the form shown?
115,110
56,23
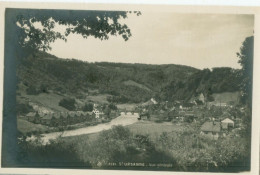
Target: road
123,120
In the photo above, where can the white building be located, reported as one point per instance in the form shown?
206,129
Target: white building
154,101
96,112
226,123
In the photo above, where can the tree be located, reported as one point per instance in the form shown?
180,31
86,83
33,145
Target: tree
107,111
88,107
32,30
245,56
68,103
36,28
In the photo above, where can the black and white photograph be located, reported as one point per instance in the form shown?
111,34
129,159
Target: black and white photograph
103,89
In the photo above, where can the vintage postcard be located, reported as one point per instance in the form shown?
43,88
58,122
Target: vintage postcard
129,87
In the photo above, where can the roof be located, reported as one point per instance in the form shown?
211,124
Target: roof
56,115
227,120
64,114
154,101
189,114
187,104
210,127
72,114
220,104
149,102
31,114
80,113
89,113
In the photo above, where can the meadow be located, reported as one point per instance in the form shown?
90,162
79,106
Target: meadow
25,127
179,145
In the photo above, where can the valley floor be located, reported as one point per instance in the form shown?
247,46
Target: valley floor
121,120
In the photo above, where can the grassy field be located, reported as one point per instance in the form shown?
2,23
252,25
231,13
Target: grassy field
154,130
226,97
101,98
49,100
76,139
26,127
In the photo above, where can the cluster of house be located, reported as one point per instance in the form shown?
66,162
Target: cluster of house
59,118
215,129
51,118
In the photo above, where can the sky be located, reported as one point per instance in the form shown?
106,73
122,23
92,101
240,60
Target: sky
197,40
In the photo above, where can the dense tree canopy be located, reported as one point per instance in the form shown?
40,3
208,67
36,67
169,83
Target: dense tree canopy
245,56
36,29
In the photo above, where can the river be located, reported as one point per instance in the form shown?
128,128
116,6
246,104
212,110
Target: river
123,120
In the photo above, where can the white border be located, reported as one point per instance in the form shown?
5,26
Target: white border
140,5
173,2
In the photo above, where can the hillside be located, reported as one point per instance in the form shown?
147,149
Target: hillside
133,83
226,97
122,82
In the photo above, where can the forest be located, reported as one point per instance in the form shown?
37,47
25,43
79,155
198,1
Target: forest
126,83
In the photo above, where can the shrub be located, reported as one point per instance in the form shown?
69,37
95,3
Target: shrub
23,109
88,107
112,106
68,103
56,154
31,90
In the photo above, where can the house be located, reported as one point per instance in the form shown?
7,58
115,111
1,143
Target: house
177,104
221,104
186,106
64,117
46,119
189,117
96,112
144,116
211,129
31,116
148,103
172,114
60,118
201,98
198,102
227,123
122,113
89,113
72,117
64,114
81,115
173,108
180,115
154,101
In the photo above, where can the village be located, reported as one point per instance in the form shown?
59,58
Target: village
215,119
103,87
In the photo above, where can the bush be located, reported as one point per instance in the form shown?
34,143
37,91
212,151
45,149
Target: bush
31,90
88,107
68,103
112,106
56,154
23,109
120,145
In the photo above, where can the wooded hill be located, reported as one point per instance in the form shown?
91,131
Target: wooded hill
42,72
